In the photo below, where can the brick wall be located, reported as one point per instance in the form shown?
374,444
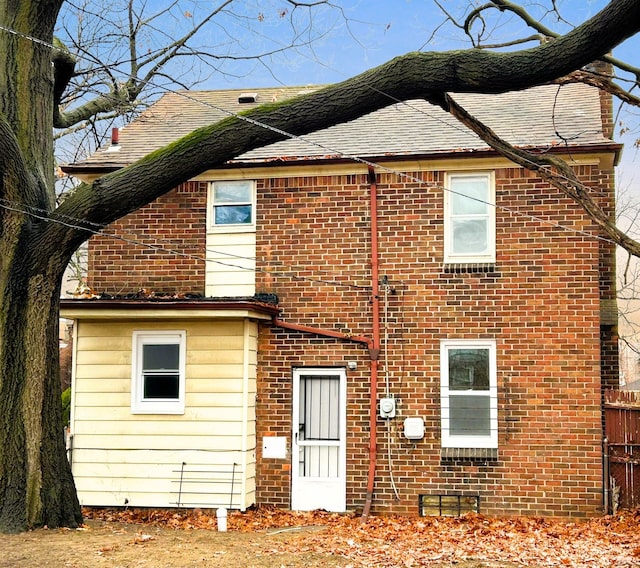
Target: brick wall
540,303
175,222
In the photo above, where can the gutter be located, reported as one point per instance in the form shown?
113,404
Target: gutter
159,303
93,170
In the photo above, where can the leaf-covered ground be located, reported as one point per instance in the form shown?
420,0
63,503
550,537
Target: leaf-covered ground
391,541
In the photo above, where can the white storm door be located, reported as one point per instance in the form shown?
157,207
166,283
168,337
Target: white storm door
318,479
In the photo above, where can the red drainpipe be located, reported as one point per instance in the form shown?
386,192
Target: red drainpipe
375,349
372,344
323,332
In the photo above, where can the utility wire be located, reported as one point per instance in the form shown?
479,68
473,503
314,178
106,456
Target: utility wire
301,138
4,204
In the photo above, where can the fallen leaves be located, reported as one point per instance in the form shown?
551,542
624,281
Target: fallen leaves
393,541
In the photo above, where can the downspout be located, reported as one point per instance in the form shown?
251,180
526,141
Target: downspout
375,348
323,332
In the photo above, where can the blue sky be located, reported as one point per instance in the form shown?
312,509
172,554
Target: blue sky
347,38
367,33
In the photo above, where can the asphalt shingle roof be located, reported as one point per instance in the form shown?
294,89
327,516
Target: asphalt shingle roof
538,117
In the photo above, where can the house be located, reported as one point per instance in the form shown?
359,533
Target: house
426,329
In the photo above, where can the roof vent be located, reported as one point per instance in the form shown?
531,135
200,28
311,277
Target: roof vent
248,98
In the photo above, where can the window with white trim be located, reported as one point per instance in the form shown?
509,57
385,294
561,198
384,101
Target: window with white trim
469,394
232,205
469,218
158,372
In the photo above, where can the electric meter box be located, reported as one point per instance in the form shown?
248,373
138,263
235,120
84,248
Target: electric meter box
414,428
387,408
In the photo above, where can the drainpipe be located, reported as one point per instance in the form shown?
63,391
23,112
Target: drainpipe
375,348
323,332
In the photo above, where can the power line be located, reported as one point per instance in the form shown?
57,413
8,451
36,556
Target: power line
4,204
298,137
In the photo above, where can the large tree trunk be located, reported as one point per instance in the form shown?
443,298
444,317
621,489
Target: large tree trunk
36,486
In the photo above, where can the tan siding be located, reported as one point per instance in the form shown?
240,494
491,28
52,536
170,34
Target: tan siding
213,370
231,264
119,455
86,414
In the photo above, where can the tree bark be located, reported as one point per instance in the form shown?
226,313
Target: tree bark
36,486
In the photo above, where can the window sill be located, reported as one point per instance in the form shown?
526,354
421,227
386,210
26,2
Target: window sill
470,268
230,229
469,454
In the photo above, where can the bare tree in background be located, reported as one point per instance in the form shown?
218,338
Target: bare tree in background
479,25
120,56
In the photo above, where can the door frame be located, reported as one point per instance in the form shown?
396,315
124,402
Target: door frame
319,492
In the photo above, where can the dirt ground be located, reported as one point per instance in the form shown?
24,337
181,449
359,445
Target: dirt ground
131,546
274,539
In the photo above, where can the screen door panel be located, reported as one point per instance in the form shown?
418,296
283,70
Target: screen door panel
319,431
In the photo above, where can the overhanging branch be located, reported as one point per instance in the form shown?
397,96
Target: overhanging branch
552,169
415,75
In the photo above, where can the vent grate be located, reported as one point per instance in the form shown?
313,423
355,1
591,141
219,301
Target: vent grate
245,98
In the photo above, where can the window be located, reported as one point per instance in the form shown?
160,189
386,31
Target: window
158,380
469,218
232,205
469,394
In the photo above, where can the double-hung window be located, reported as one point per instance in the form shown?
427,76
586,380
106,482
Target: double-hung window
469,394
232,205
158,379
469,207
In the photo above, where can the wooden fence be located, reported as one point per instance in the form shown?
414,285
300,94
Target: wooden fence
622,448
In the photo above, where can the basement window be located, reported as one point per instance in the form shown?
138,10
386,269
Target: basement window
448,505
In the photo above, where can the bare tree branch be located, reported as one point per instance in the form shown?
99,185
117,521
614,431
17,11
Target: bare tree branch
554,170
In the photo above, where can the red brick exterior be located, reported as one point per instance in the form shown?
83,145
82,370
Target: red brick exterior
540,302
175,222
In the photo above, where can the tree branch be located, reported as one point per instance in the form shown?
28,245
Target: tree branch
554,170
415,75
64,65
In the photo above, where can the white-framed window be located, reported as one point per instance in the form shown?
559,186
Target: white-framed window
468,394
158,372
232,205
469,218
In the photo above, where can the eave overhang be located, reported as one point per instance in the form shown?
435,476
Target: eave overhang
96,170
138,309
